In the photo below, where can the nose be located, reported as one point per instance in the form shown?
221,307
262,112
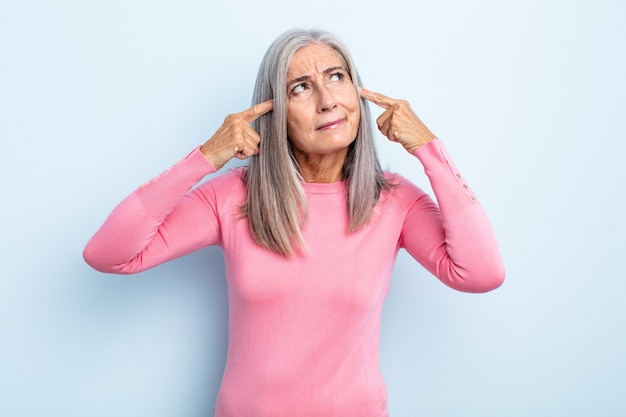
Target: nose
325,98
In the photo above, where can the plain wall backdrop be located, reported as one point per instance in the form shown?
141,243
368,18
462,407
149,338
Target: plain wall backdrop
529,96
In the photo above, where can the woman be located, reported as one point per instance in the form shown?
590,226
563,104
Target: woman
310,230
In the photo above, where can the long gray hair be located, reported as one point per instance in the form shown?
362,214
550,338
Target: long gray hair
276,205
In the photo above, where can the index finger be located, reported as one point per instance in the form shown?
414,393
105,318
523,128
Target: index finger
377,98
256,111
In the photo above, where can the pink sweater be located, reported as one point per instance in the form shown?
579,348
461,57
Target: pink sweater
304,332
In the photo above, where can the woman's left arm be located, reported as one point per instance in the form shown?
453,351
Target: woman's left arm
454,238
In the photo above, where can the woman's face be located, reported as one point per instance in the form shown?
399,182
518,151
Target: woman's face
323,110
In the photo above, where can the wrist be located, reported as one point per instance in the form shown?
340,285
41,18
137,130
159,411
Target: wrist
414,148
210,157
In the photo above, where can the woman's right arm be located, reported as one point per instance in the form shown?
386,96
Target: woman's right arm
161,220
157,222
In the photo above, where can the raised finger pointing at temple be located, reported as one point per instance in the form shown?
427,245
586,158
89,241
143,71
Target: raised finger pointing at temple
398,122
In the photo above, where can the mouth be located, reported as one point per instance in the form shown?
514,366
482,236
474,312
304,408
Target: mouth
331,125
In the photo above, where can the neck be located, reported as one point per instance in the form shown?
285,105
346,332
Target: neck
322,168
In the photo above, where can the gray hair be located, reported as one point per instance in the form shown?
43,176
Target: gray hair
276,205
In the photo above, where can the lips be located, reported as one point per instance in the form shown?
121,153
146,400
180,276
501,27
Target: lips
331,125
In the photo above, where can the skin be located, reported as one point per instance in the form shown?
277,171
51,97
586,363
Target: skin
398,122
323,113
235,138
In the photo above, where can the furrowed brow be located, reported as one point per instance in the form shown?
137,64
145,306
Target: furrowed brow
298,80
333,69
308,77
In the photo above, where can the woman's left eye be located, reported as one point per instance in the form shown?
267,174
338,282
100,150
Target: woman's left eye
338,76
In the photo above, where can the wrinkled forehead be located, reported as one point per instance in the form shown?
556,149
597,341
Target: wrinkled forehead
314,58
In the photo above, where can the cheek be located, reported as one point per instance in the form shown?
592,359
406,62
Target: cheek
356,111
356,120
298,121
293,127
291,121
353,104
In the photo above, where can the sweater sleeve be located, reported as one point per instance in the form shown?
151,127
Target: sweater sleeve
159,221
452,239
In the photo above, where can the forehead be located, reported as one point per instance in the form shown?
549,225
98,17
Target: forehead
315,57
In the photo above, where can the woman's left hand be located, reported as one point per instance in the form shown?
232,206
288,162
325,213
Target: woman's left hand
398,122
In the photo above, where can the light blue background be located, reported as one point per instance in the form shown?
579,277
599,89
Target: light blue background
529,96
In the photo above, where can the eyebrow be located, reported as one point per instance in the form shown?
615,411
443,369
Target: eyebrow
307,77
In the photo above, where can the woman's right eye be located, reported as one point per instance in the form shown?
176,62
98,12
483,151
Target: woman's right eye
298,89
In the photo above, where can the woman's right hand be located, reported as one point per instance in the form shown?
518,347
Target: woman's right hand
235,138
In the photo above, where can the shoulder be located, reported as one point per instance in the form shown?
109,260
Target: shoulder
226,186
232,178
400,186
403,193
